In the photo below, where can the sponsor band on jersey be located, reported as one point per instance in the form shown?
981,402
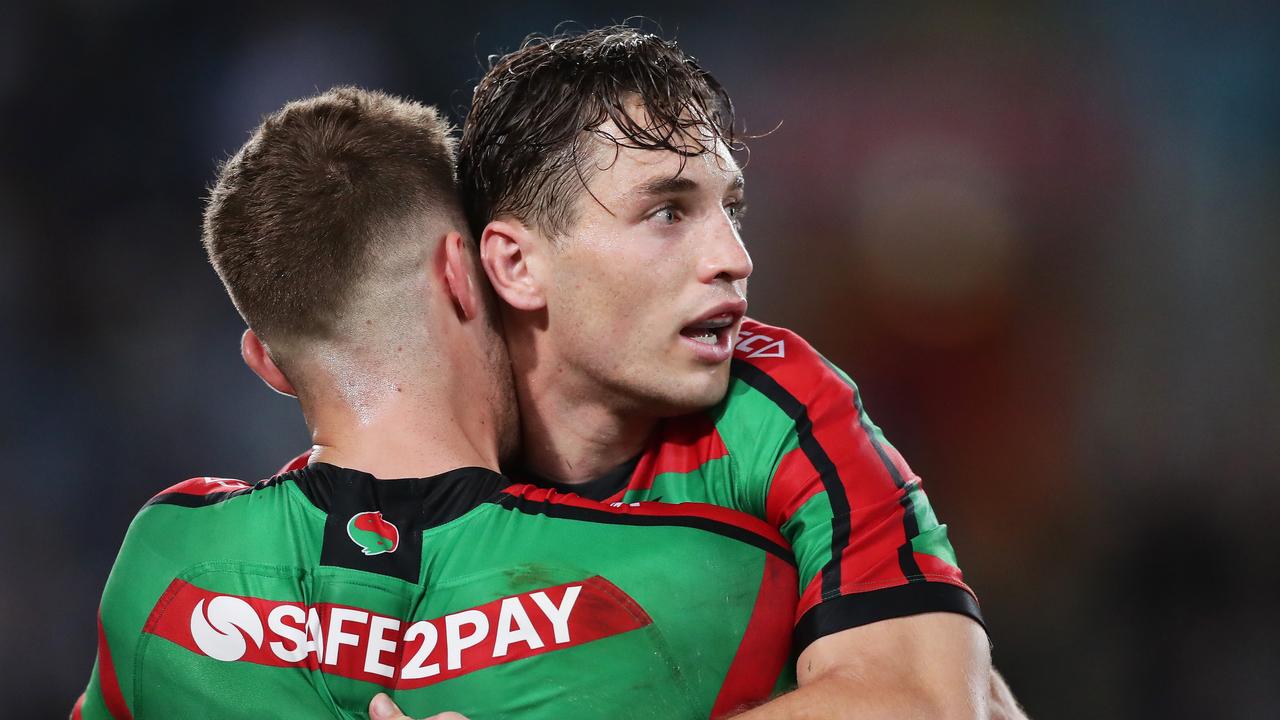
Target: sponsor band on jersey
356,643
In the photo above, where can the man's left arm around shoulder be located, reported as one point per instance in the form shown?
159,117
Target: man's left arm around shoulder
934,665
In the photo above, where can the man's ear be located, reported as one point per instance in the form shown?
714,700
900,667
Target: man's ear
459,280
259,361
509,254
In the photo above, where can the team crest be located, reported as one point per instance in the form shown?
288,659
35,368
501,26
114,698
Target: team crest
373,534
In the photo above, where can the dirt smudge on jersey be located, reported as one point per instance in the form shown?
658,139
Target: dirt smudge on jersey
534,576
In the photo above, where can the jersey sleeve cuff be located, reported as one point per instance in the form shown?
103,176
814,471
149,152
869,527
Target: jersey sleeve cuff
850,611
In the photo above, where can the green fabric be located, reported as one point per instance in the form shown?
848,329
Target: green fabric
758,434
934,542
809,530
699,587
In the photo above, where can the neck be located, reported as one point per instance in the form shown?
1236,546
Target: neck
572,434
402,430
575,442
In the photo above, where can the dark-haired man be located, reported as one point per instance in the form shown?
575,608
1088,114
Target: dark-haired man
596,172
399,558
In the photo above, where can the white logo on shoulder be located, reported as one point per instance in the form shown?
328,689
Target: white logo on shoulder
224,484
220,634
759,345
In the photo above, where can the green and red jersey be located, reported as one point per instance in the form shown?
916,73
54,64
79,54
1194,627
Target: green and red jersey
305,594
792,444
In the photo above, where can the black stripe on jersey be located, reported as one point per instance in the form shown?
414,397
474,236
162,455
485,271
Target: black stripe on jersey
213,498
809,445
850,611
574,512
906,553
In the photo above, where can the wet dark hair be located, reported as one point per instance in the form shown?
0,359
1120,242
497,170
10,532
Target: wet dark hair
521,150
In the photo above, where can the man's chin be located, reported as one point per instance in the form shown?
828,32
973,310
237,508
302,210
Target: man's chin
698,397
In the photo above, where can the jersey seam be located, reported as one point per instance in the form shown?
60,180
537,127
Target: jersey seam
300,498
736,533
469,516
931,577
170,499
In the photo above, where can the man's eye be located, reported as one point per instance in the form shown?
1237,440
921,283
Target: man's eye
736,211
667,215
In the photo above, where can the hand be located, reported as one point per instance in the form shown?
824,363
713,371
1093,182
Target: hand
382,707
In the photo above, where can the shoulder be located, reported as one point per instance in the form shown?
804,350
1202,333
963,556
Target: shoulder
207,519
784,367
199,507
530,499
178,526
759,342
206,490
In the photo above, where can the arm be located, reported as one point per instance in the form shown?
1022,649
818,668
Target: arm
927,666
872,552
154,551
923,666
103,698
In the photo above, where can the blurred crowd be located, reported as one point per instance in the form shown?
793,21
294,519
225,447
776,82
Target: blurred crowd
1043,241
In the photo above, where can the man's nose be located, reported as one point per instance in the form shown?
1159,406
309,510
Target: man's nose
724,256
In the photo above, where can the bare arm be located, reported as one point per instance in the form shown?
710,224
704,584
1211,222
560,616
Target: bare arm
922,666
935,665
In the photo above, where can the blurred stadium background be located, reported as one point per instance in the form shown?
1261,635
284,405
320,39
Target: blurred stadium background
1043,240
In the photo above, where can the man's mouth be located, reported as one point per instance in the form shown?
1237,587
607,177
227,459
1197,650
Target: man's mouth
711,337
711,331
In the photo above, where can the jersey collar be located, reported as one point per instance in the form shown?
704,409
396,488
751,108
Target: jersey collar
599,488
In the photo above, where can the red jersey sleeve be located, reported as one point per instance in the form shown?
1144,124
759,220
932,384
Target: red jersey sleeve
867,541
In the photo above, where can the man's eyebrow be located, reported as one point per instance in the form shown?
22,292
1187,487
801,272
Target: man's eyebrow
667,186
680,184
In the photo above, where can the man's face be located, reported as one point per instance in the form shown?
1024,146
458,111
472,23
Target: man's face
648,286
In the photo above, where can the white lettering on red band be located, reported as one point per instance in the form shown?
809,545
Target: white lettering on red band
759,345
356,643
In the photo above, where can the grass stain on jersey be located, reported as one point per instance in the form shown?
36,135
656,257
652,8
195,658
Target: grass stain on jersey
532,576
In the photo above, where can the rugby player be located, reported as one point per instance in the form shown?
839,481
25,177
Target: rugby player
596,172
399,558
